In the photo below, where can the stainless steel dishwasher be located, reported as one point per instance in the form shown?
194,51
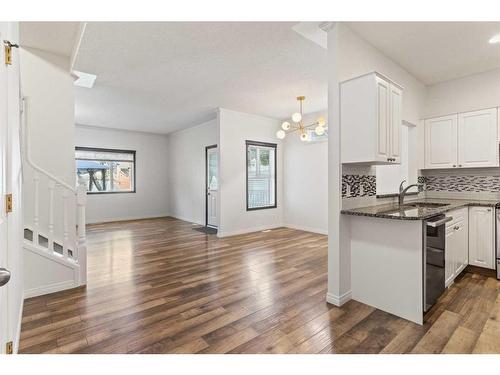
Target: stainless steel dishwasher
434,259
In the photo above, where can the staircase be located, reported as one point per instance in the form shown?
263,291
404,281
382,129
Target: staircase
55,251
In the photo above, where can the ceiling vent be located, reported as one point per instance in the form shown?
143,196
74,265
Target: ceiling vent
84,79
314,31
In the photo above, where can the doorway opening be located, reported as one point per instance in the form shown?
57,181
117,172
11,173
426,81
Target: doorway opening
211,188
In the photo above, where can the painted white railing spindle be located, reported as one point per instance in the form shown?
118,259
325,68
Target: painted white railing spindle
65,223
36,208
51,186
81,202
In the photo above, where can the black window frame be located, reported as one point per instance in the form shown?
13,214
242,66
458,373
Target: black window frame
263,144
117,151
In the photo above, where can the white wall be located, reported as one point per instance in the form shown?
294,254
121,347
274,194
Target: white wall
471,93
350,56
48,86
357,57
234,129
186,168
151,196
305,183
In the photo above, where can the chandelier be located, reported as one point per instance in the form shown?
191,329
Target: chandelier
297,125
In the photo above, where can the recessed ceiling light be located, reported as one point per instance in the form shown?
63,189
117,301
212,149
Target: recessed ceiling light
495,39
84,79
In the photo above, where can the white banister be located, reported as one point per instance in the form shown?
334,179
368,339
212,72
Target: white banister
73,238
51,186
36,207
65,197
81,202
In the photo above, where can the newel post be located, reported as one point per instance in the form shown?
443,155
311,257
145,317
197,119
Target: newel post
81,201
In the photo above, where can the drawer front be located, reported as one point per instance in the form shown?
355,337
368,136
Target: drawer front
460,214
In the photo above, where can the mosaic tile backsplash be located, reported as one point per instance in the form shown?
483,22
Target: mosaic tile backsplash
463,183
354,186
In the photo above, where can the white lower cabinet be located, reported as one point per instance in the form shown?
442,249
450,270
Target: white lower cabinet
456,252
482,237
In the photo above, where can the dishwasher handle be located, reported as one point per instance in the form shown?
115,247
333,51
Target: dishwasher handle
437,223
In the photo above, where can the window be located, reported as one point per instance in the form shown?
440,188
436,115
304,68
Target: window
261,175
106,171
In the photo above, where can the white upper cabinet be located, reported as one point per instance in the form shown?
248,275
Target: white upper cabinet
441,142
464,140
477,139
371,107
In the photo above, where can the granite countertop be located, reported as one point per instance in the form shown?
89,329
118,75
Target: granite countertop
435,206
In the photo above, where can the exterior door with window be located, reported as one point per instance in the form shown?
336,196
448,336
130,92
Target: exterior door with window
212,186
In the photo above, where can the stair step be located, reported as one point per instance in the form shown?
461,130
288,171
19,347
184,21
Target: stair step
43,241
58,248
28,234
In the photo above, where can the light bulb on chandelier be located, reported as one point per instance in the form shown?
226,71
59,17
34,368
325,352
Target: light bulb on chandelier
296,117
285,125
319,130
280,134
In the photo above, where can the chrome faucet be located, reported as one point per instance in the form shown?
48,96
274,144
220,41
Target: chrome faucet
402,191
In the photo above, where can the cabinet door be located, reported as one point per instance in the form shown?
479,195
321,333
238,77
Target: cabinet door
481,237
396,102
449,263
462,246
441,142
383,119
477,139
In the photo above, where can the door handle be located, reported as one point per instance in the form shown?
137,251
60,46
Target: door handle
4,276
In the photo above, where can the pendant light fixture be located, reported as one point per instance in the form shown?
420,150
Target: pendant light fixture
297,125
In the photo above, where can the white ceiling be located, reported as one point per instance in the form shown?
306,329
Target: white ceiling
55,37
435,51
161,77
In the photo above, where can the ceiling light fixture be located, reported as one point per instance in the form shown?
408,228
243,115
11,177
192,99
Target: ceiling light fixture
298,125
495,39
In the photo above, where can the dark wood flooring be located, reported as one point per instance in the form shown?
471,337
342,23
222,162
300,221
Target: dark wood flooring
157,286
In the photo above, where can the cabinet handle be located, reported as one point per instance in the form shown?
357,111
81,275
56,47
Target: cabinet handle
460,165
454,166
456,227
489,210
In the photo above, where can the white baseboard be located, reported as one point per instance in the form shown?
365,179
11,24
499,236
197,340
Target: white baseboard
51,288
338,300
247,230
187,219
124,218
306,229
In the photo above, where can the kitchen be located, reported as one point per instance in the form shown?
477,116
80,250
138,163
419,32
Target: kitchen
410,240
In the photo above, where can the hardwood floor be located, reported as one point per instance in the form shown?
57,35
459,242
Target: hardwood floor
157,286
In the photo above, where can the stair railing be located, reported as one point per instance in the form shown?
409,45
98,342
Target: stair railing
74,246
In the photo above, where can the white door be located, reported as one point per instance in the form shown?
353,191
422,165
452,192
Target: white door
383,109
482,237
4,311
212,187
396,123
477,139
441,142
